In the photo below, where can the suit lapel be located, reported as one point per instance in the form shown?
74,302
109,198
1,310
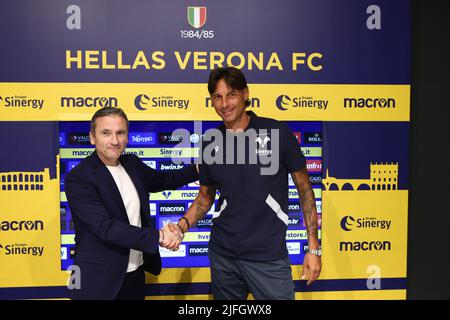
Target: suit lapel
105,177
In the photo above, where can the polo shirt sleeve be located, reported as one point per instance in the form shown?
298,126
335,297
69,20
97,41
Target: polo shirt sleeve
203,168
292,153
205,176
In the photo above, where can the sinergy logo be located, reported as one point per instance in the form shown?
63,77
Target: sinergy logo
284,102
22,102
21,225
348,223
143,102
21,249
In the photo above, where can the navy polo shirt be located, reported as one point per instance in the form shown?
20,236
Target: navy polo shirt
250,170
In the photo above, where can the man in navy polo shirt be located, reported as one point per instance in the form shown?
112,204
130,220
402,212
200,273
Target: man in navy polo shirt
248,159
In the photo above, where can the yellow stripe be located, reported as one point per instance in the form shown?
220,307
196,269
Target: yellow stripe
168,153
199,107
176,195
293,193
352,295
318,295
68,239
312,151
189,195
182,297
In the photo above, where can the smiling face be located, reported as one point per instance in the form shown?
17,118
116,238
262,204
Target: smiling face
110,138
229,104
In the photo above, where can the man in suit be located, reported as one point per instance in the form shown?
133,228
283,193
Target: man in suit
108,196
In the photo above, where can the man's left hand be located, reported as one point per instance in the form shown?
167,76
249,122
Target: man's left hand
312,265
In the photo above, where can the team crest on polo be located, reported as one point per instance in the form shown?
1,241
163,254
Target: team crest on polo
196,16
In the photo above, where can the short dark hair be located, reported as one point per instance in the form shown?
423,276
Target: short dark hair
233,77
107,111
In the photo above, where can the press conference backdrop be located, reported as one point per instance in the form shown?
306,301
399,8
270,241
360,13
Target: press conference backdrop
337,72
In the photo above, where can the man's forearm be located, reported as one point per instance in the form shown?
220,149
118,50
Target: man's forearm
308,204
198,209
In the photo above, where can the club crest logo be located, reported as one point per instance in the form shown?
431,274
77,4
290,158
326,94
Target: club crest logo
196,16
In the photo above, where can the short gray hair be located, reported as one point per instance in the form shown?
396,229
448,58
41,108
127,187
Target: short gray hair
107,111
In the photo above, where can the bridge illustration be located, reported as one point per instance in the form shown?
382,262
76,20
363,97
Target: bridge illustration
383,176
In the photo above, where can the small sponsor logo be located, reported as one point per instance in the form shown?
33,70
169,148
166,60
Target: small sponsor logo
314,165
150,163
142,138
263,148
198,250
348,223
304,247
144,102
171,208
169,138
21,249
22,225
312,137
194,138
166,253
64,253
295,221
170,166
293,207
293,247
365,246
21,102
88,102
62,139
204,223
167,194
371,103
153,209
285,102
315,179
79,139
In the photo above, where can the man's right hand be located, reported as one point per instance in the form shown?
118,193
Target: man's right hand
171,237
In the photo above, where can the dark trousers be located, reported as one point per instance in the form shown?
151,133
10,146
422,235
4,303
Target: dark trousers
234,279
133,286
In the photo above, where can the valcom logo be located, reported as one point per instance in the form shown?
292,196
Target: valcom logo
365,246
79,139
169,138
369,103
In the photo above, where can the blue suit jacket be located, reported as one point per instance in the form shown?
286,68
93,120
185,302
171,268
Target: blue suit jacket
103,234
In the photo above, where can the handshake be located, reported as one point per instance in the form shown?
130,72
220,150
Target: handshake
170,236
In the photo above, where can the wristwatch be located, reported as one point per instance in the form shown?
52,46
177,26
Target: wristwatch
316,252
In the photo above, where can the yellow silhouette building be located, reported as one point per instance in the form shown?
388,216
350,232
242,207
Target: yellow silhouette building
383,176
24,181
